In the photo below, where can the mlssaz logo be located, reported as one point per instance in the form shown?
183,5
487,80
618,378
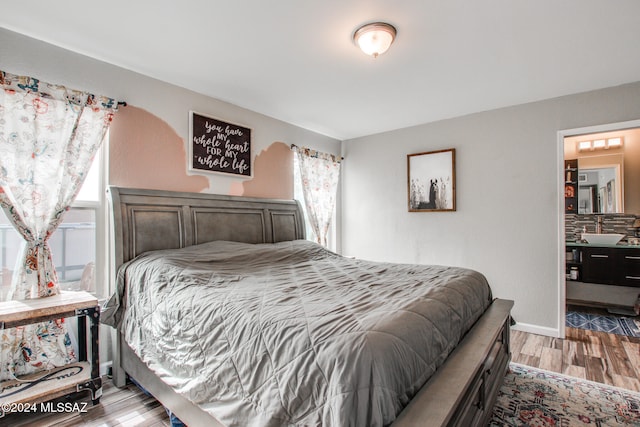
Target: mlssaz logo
66,407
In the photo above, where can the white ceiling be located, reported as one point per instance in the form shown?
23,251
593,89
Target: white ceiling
295,60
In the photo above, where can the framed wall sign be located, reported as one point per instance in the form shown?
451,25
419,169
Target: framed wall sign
432,181
218,146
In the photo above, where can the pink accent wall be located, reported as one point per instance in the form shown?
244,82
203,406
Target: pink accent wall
272,174
145,152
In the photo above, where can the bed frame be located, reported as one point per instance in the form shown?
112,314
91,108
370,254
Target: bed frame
463,390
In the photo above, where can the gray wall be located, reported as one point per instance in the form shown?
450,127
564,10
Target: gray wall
507,221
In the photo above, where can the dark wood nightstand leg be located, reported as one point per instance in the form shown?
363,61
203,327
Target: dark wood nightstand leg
82,337
95,384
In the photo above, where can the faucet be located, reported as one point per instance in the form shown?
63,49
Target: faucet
598,224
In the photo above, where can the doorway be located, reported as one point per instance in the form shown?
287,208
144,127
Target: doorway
606,181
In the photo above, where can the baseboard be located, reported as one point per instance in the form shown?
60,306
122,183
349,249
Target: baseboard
535,329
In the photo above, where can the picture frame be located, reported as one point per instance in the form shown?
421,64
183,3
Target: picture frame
219,146
431,181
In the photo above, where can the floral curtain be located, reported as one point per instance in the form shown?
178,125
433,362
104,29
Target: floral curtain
320,173
48,137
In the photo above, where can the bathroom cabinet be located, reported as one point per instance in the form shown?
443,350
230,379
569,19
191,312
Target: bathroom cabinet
599,265
608,276
608,265
630,268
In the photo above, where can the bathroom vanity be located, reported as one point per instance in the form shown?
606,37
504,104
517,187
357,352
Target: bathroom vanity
603,275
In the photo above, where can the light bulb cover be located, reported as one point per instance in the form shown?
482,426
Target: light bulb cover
375,38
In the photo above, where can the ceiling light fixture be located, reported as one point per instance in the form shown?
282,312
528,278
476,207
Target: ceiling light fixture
374,39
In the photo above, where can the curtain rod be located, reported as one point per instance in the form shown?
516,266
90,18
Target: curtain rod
295,146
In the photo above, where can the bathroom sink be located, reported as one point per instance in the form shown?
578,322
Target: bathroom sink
602,239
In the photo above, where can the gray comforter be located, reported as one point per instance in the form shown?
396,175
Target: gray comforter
290,333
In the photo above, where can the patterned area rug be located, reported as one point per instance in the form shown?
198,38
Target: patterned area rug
534,397
610,324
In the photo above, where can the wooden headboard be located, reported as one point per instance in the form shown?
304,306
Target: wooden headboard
145,220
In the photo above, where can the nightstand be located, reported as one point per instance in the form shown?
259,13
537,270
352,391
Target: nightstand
74,377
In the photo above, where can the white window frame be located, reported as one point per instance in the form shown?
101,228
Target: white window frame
102,225
99,206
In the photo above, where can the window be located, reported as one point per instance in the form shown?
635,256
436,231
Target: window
75,243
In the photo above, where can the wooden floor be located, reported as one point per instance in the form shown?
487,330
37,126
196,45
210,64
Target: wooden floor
596,356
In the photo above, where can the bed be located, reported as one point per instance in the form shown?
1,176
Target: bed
229,317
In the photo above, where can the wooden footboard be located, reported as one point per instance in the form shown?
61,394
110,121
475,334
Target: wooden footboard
463,391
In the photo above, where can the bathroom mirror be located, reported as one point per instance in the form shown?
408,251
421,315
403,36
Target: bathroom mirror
600,184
